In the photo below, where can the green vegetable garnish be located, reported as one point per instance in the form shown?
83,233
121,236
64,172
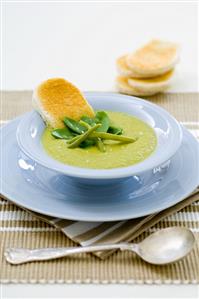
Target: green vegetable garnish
85,124
90,121
109,136
106,136
102,118
63,133
83,137
74,125
96,141
73,139
87,143
100,145
91,131
115,130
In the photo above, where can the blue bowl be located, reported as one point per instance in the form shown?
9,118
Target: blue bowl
166,127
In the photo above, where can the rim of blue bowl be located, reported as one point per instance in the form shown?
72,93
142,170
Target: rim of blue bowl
114,173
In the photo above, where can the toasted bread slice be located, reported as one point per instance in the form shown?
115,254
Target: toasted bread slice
155,58
156,84
56,98
124,70
124,87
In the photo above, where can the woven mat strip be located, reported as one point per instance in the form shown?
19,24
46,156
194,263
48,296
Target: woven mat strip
19,228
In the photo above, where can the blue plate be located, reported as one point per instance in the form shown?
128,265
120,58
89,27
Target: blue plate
45,191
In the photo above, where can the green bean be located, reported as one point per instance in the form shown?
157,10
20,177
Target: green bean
83,137
93,141
63,133
109,136
74,125
97,141
73,139
101,145
85,124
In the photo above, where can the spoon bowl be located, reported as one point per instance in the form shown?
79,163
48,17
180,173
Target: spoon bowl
166,246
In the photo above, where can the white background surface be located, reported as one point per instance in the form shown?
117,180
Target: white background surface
100,291
81,42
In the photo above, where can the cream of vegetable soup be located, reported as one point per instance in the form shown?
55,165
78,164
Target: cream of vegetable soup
98,151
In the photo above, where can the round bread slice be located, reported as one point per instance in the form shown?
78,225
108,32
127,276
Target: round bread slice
155,58
124,87
57,98
124,70
156,84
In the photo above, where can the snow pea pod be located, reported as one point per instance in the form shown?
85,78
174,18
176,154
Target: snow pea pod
102,118
74,125
88,120
63,133
115,130
83,137
85,124
87,143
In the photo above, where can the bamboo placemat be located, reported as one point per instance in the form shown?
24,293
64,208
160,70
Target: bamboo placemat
19,228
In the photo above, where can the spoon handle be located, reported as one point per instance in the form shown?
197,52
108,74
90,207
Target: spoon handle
20,255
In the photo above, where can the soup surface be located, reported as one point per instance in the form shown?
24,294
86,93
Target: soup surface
116,155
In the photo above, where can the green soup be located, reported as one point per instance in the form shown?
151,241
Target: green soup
116,155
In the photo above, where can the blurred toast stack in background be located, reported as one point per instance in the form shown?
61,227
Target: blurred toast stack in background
148,70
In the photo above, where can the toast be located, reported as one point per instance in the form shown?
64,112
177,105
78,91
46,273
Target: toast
153,59
125,70
156,84
124,87
56,98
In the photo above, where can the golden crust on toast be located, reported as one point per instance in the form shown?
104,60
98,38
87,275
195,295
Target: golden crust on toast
156,57
56,98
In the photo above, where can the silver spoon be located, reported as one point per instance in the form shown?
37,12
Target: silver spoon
162,247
